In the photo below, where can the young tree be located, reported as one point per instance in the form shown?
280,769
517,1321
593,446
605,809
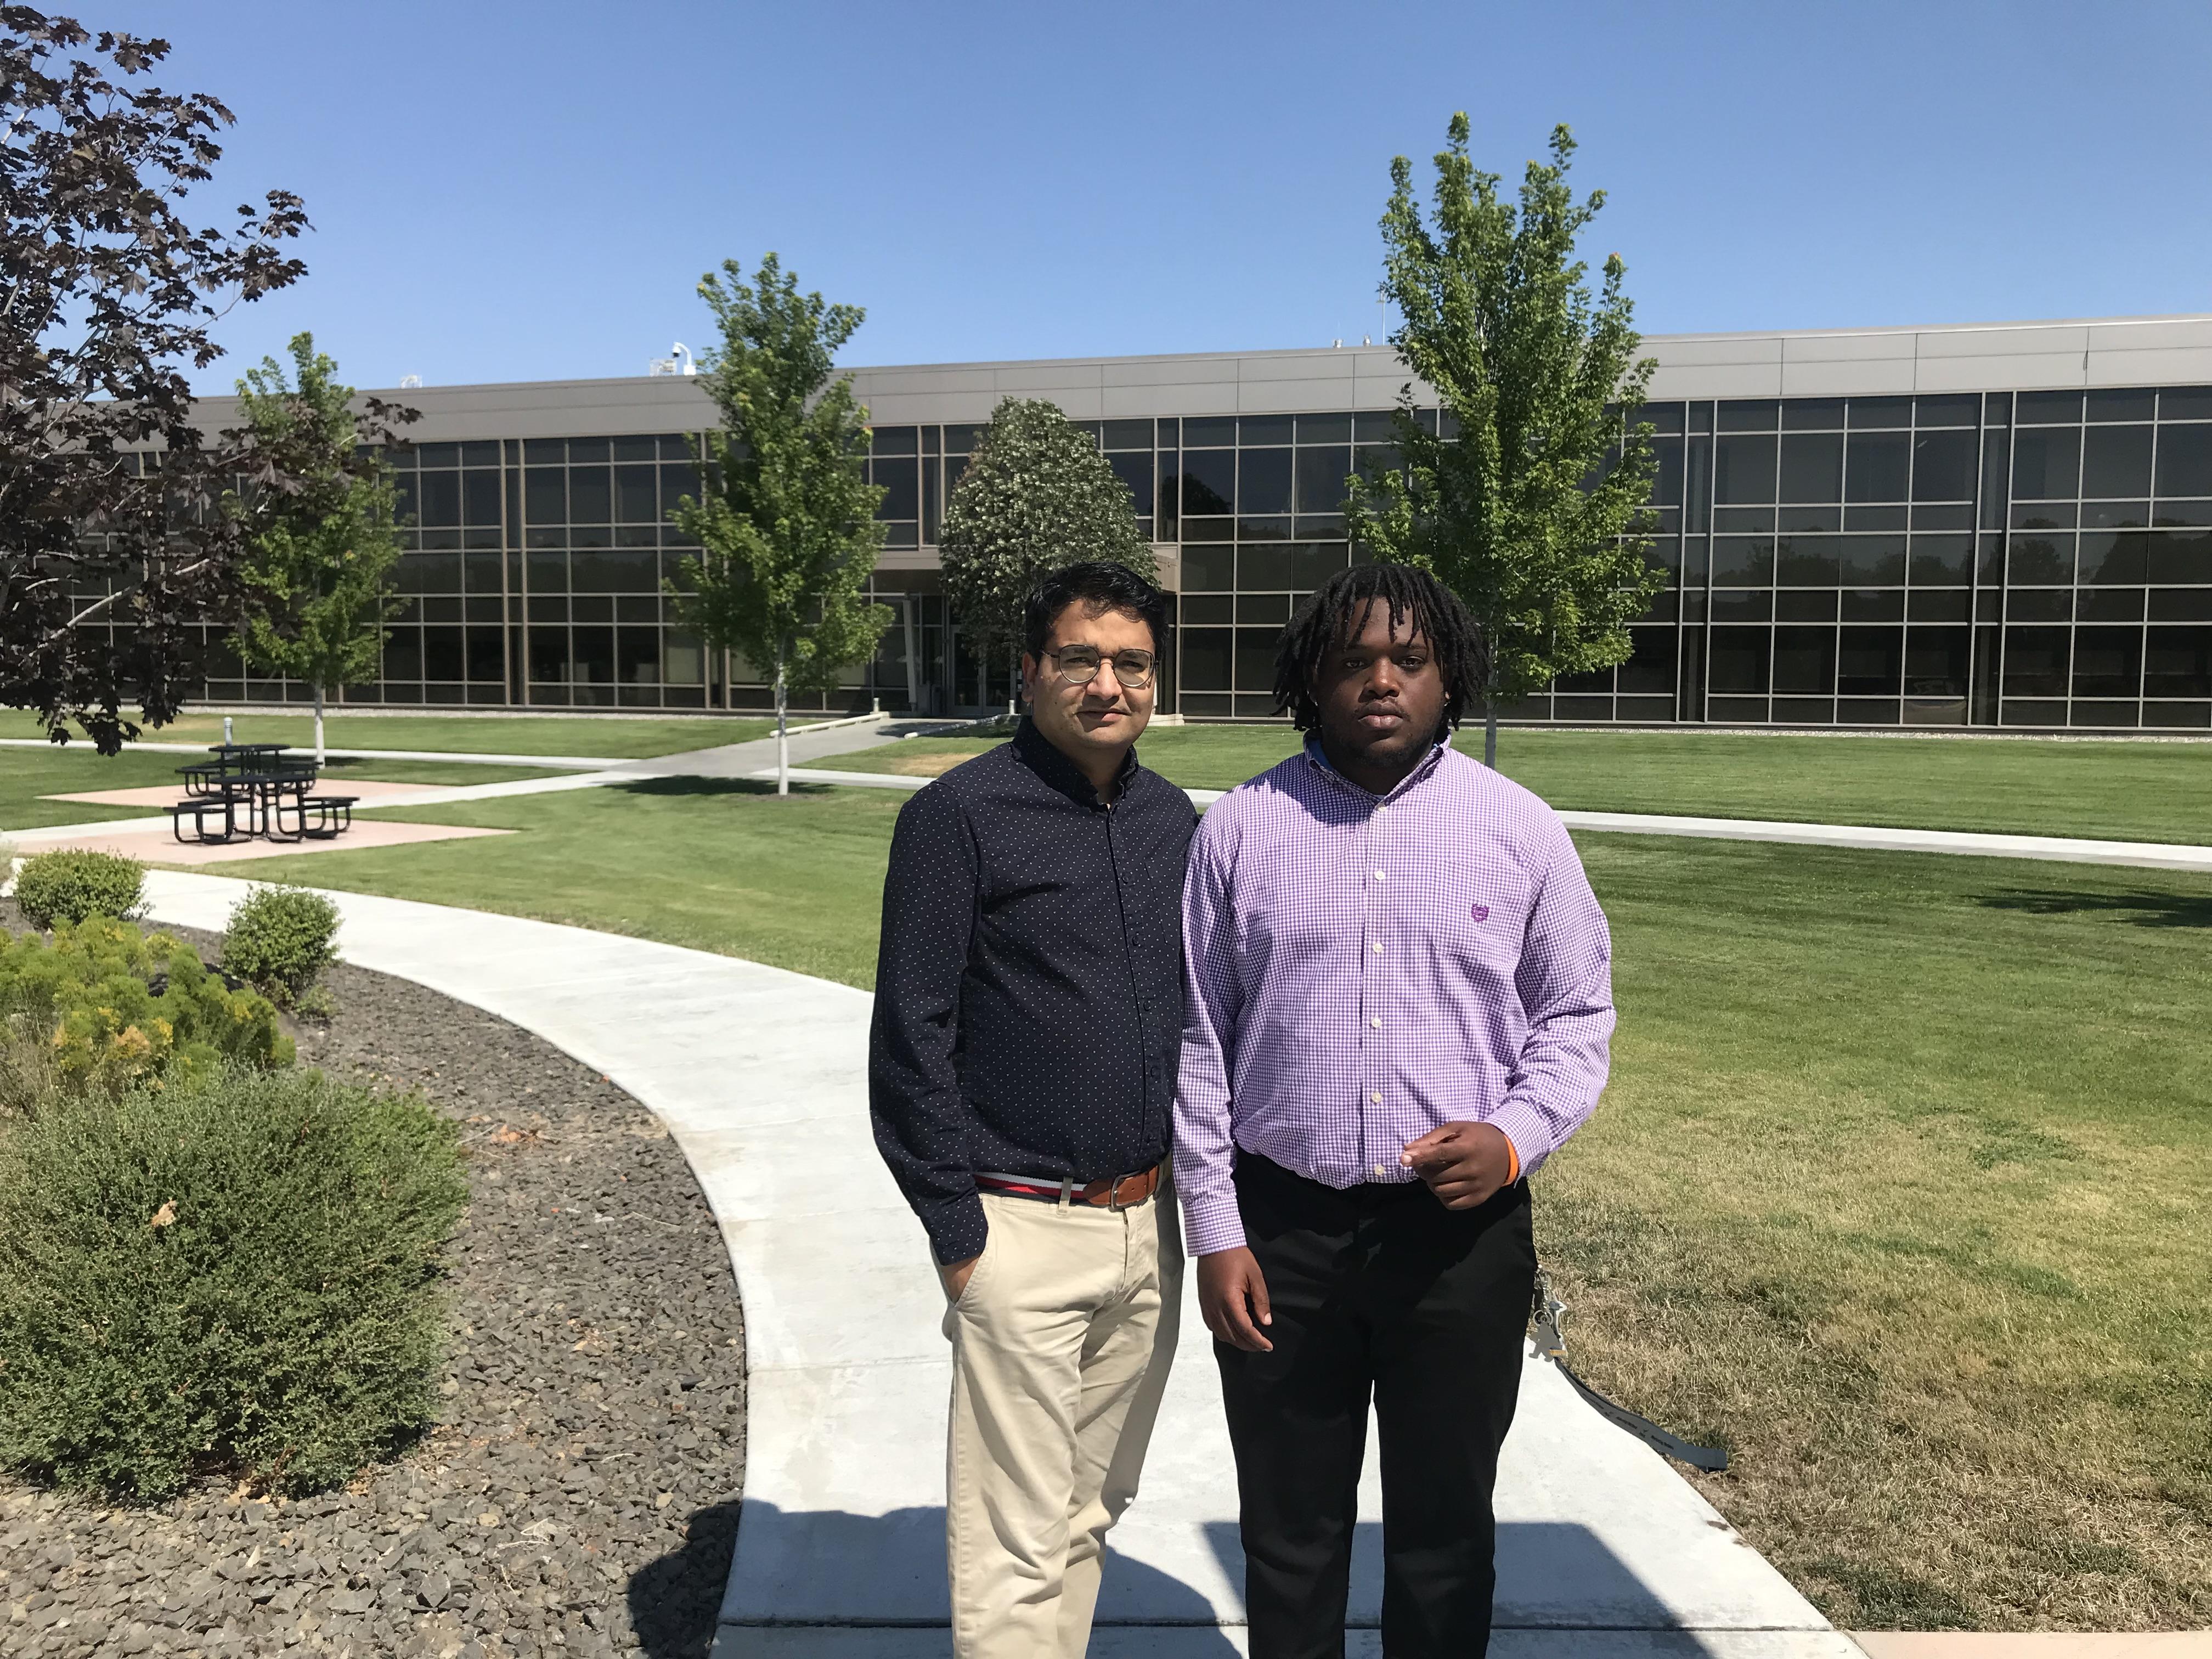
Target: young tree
113,547
318,506
1531,503
1036,495
785,517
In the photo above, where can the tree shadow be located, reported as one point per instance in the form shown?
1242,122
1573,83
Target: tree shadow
2139,909
675,1601
693,785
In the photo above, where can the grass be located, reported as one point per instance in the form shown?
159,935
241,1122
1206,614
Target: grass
29,774
2117,791
620,739
1897,1192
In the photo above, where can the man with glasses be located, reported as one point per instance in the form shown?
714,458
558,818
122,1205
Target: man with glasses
1022,1069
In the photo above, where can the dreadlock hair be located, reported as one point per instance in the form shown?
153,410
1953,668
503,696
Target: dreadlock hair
1338,611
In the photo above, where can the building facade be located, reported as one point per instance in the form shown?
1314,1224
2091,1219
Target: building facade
1990,526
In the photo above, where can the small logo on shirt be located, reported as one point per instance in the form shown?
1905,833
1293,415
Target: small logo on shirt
1480,913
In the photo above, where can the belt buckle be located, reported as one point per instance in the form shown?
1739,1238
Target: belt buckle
1114,1194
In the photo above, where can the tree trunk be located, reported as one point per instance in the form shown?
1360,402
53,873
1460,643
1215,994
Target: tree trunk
1489,731
782,735
319,756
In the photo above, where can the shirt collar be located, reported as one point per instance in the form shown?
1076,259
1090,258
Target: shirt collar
1036,751
1433,759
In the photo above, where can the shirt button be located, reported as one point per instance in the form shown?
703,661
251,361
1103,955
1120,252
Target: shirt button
1376,1097
1378,1172
1378,947
1378,875
1377,1022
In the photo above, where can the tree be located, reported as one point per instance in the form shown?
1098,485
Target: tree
113,547
1530,503
785,516
1036,495
323,540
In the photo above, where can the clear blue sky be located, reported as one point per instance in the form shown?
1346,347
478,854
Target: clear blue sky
504,191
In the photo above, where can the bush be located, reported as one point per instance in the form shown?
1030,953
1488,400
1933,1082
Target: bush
53,888
114,1007
279,940
237,1275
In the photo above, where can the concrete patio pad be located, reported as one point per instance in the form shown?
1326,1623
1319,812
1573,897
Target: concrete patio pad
159,846
759,1074
160,796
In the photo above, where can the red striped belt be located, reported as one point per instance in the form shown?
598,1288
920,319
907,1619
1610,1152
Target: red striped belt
1115,1193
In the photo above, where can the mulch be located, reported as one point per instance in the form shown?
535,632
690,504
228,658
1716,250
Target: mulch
579,1494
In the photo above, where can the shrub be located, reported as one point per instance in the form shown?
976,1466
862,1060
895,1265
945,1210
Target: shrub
237,1275
116,1007
53,888
279,940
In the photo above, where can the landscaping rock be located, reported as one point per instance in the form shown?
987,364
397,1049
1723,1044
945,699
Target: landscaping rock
580,1492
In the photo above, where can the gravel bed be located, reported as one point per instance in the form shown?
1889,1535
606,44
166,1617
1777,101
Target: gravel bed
581,1493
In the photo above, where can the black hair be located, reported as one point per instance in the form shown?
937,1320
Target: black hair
1099,587
1337,612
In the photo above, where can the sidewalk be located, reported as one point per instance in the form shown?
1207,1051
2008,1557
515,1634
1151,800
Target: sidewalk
760,1074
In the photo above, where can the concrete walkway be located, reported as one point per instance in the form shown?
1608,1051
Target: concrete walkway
1604,1551
2140,854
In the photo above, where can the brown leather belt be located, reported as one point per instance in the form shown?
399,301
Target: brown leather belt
1115,1193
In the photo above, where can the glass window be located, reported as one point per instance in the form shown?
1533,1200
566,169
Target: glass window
1743,471
2115,515
2182,556
1213,431
1807,561
1805,661
438,454
1264,429
2108,662
961,440
1321,474
2040,561
403,654
1749,415
2178,662
893,439
591,495
1134,469
1263,480
545,452
1957,409
1870,662
2048,408
1812,467
678,480
487,654
1811,518
1932,605
1738,660
406,501
901,482
2109,604
637,493
1308,564
1376,426
2114,556
2036,660
444,654
1743,561
1324,429
1209,567
1201,610
1877,466
1874,604
1812,414
2039,605
1650,669
1867,413
438,499
1936,662
1662,418
1942,561
1742,604
2116,461
2046,464
1667,473
1209,481
1943,466
1206,658
1872,561
2185,460
2122,405
1126,434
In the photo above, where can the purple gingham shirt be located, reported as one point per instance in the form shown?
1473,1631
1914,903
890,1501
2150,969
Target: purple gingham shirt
1362,968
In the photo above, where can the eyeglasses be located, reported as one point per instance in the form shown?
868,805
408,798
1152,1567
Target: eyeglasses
1078,665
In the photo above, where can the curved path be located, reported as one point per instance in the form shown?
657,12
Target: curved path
759,1074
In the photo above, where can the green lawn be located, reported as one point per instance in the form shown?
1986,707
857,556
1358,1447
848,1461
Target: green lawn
619,738
2117,791
1897,1191
29,774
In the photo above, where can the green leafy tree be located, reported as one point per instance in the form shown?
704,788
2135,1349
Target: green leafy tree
1036,495
323,541
785,520
1531,503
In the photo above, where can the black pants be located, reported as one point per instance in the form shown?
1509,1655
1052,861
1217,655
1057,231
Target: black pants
1378,1289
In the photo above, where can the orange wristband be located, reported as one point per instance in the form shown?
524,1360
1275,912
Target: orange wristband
1512,1160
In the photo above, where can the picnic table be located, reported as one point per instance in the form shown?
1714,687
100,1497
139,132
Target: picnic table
256,790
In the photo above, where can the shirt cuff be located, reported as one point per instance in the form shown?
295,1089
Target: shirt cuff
1211,1224
1526,1132
958,1229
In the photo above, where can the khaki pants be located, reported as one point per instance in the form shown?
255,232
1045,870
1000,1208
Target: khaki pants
1061,1347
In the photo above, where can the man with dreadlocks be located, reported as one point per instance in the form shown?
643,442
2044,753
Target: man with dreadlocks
1400,1000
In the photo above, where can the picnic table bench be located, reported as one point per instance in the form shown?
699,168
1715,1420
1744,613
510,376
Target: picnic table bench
251,790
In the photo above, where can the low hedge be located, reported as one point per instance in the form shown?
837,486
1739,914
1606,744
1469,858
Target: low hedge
119,1007
53,888
236,1274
